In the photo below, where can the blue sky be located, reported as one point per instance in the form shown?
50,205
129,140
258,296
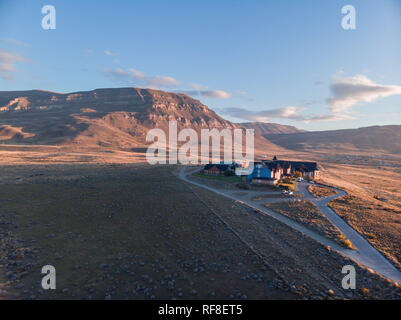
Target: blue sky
286,61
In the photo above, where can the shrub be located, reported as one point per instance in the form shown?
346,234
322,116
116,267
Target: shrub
297,174
288,186
242,185
346,243
229,173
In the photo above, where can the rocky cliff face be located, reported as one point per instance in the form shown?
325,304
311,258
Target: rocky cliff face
118,117
143,104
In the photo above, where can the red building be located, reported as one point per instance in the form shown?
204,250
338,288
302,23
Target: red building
216,169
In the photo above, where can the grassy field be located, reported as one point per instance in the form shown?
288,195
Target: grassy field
306,213
378,223
120,232
138,232
321,192
313,270
227,179
366,181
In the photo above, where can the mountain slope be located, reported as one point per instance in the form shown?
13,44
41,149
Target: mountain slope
115,118
367,139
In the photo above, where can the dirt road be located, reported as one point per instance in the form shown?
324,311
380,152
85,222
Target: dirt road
365,253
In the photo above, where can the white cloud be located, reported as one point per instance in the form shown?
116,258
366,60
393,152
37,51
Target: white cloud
16,42
109,53
137,74
132,76
8,61
192,93
202,91
349,91
328,117
289,112
162,81
215,94
198,87
118,74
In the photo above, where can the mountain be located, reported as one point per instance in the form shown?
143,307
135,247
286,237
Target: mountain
368,139
114,118
270,128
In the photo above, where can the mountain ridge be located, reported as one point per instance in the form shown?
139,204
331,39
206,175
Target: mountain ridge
107,117
121,117
385,138
270,128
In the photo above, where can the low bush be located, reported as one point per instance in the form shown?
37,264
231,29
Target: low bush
287,186
242,185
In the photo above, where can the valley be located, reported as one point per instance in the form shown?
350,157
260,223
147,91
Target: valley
136,231
73,171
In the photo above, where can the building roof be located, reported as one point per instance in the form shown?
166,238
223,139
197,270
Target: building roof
305,166
273,165
221,167
296,165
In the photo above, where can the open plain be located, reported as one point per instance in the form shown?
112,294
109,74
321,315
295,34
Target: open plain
138,232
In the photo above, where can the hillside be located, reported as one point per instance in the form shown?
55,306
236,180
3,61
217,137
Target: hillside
116,118
270,128
386,139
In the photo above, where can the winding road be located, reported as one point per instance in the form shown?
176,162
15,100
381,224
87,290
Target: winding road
365,254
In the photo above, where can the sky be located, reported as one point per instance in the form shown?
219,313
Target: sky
289,61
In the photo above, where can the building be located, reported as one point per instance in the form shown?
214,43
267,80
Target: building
307,169
216,169
263,174
278,170
270,172
242,169
264,181
304,168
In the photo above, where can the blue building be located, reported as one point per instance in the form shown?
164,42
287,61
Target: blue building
260,172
